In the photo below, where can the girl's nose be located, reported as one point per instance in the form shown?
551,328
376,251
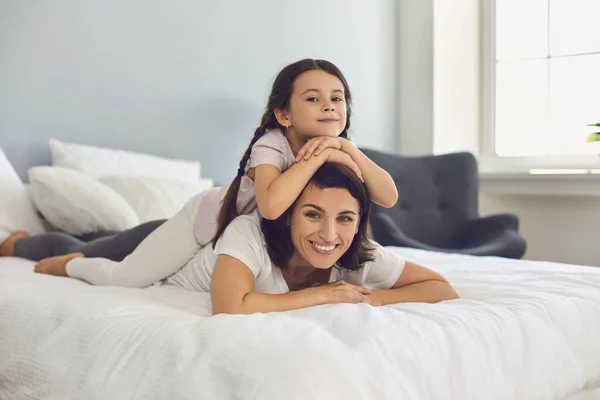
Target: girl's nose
328,107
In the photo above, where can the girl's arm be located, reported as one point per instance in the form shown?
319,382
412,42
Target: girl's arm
416,284
232,292
381,186
275,191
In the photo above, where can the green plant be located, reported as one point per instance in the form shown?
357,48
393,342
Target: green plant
595,136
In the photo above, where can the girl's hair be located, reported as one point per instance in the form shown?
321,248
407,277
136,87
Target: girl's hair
278,235
278,99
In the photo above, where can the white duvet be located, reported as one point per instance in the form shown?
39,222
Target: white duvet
523,330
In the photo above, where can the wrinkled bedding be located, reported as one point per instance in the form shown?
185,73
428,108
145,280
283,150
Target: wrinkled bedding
522,330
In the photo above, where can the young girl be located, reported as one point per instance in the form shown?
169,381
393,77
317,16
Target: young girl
305,125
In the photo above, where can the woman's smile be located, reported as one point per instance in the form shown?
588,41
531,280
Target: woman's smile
321,248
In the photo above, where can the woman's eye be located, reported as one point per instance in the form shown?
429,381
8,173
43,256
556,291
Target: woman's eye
345,219
312,215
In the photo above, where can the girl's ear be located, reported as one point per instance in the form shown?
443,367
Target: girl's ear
282,117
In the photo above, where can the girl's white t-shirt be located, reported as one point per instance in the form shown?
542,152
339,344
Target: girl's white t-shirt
272,148
243,240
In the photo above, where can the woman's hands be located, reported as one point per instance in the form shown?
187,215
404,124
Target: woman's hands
341,292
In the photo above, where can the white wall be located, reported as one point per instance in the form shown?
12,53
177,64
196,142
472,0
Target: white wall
439,108
415,79
438,102
557,228
184,78
456,122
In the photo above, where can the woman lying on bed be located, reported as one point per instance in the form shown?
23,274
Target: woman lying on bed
317,252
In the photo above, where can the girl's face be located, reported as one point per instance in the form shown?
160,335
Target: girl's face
322,226
317,106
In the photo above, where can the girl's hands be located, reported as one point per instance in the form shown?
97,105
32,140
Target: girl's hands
338,156
342,292
316,146
333,149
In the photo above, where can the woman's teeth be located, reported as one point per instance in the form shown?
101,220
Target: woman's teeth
324,248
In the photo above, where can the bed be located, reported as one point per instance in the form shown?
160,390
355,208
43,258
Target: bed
523,330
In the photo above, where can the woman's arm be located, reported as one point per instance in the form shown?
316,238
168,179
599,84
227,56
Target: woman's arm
232,292
275,191
381,186
416,284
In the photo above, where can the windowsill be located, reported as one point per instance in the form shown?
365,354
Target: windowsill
551,184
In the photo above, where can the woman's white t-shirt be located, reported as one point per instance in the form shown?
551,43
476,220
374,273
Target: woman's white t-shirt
243,240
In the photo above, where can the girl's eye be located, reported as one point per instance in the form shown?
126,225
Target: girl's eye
337,99
313,99
312,215
344,218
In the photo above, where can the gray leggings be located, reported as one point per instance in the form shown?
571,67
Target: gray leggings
111,245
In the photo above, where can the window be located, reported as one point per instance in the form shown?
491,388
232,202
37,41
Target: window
541,82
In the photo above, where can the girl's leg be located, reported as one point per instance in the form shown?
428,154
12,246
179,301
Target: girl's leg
161,254
112,246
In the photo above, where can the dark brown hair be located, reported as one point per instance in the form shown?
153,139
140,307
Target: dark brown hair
278,234
278,99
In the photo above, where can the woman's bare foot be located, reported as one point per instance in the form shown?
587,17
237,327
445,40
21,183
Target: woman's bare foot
7,248
56,265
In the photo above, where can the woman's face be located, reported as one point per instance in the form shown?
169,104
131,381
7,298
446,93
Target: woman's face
323,225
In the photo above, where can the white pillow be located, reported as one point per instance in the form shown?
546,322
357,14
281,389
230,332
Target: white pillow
76,203
17,212
99,161
155,198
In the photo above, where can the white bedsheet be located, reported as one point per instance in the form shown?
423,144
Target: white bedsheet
523,330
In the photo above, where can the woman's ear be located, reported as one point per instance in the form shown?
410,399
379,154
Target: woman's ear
282,117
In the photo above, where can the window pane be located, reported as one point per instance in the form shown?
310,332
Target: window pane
574,103
521,108
521,29
574,26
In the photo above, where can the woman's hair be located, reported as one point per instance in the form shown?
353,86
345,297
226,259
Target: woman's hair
278,99
278,234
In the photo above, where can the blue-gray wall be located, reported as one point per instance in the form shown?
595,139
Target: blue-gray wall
181,78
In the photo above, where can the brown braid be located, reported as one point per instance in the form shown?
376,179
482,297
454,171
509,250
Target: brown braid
228,210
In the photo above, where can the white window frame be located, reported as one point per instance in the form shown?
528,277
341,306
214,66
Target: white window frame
489,161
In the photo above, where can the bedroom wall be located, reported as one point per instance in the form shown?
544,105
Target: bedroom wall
186,79
557,228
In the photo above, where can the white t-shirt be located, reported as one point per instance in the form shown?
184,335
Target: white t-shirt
243,239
